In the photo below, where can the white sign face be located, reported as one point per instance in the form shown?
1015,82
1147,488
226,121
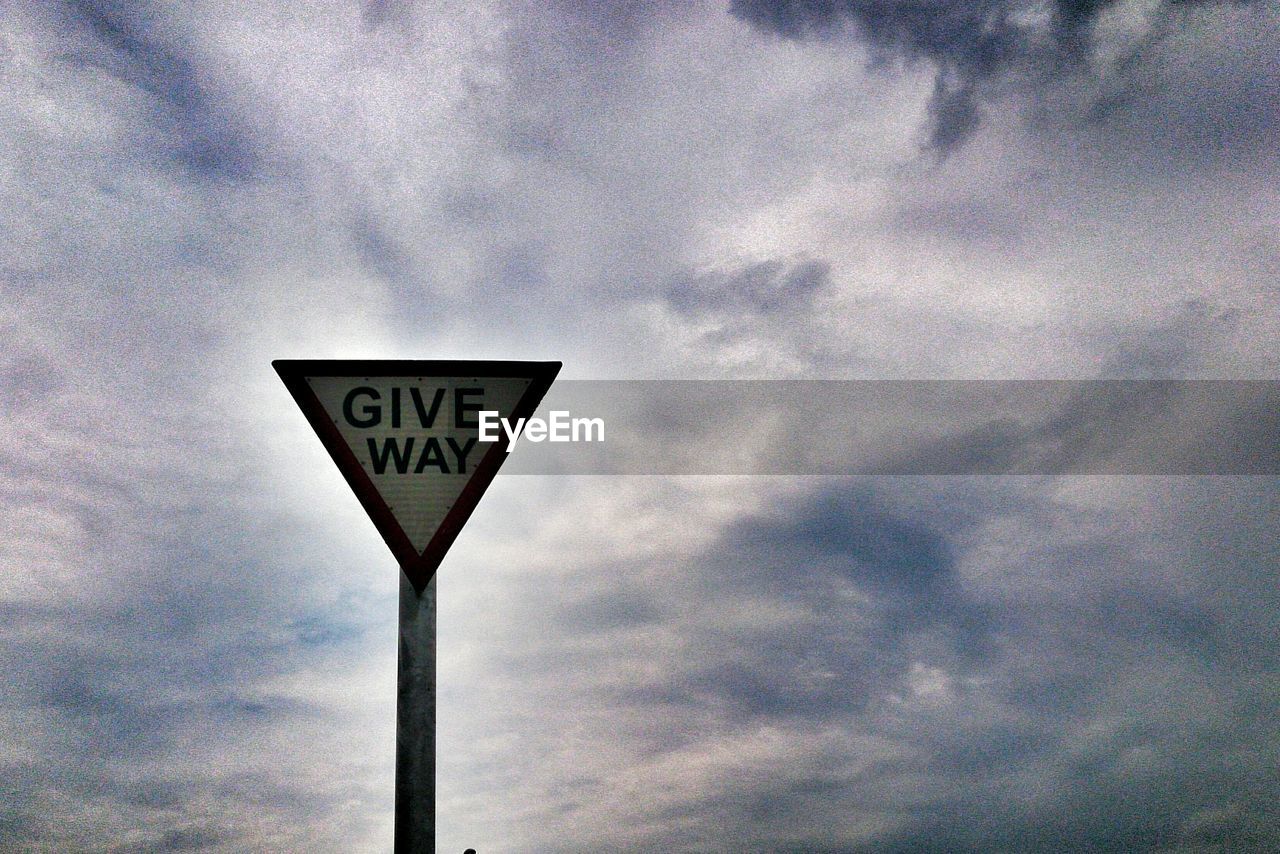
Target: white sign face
406,436
417,438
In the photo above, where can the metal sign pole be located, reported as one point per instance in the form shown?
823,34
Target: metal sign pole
416,721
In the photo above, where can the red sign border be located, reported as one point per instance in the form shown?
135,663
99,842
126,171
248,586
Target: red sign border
418,568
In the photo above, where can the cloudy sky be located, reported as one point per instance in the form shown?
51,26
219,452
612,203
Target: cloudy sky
197,622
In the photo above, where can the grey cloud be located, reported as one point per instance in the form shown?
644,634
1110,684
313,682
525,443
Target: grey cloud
161,647
918,427
380,12
1175,344
1086,715
194,838
973,47
906,567
124,722
954,115
847,651
29,379
200,134
894,556
624,606
1112,627
191,648
764,288
380,252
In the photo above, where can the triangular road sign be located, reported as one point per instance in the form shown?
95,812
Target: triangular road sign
405,435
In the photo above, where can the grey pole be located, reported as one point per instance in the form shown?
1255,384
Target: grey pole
416,721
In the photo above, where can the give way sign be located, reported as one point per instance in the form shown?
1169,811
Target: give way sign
405,435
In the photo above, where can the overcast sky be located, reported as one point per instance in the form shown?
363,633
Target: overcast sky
197,621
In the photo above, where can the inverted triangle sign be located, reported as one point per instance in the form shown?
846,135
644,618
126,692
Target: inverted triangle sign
405,435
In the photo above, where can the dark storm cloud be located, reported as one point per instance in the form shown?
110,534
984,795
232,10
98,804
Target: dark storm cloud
972,46
201,135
